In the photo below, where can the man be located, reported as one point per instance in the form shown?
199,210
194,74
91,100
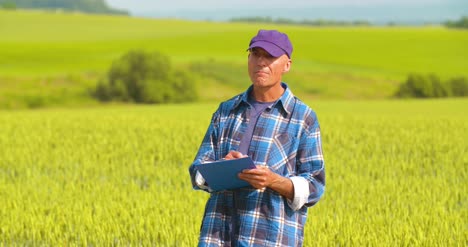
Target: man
282,136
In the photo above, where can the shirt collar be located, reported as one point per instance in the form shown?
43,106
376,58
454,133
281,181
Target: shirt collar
285,101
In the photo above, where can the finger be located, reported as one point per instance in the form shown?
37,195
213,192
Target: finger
253,171
255,177
249,175
229,156
233,155
257,170
236,154
245,177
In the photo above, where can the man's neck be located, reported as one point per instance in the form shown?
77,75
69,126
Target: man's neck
267,94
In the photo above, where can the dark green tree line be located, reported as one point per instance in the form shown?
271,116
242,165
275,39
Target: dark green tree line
318,22
461,23
89,6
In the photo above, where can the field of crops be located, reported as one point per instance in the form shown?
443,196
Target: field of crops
53,58
396,175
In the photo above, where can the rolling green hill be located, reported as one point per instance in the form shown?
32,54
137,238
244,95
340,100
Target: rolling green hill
54,58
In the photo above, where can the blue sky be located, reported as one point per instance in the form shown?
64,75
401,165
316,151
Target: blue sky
145,5
376,11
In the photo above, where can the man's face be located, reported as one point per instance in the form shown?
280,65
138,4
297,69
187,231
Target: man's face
266,70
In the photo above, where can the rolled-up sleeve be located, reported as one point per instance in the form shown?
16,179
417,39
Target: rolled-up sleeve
301,193
311,165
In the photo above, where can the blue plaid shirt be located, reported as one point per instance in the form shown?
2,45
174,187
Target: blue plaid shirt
287,140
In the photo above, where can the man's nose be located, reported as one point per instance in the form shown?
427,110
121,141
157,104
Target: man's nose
262,61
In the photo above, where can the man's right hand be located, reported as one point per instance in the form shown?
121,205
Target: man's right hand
234,155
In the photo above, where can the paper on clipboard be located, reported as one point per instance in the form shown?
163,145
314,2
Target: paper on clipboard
222,174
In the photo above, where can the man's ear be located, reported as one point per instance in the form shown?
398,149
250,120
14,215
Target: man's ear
287,66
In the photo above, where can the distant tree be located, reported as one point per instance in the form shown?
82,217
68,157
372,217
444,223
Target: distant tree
462,23
10,5
254,19
436,87
319,22
144,77
90,6
414,86
430,86
459,86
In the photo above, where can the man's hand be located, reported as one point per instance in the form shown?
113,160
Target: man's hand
263,177
234,155
260,177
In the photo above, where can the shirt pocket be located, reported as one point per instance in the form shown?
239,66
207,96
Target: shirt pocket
282,154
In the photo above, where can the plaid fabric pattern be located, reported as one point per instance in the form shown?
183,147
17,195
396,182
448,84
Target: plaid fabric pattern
287,139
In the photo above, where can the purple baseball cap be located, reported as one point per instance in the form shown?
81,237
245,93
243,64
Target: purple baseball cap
274,42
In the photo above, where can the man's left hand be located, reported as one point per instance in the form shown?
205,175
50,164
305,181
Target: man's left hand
260,177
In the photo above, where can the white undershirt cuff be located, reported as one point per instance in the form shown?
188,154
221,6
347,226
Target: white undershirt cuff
200,181
301,192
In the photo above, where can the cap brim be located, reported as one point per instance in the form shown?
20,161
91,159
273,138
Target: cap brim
271,48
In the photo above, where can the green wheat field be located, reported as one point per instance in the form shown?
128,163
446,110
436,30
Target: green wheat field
79,173
396,175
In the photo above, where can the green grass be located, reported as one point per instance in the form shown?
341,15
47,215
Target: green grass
396,175
386,50
330,63
77,42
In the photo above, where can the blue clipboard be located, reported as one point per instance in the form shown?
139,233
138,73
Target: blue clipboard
222,174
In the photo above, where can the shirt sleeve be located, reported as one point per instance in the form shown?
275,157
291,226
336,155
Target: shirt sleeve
205,153
311,165
301,193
